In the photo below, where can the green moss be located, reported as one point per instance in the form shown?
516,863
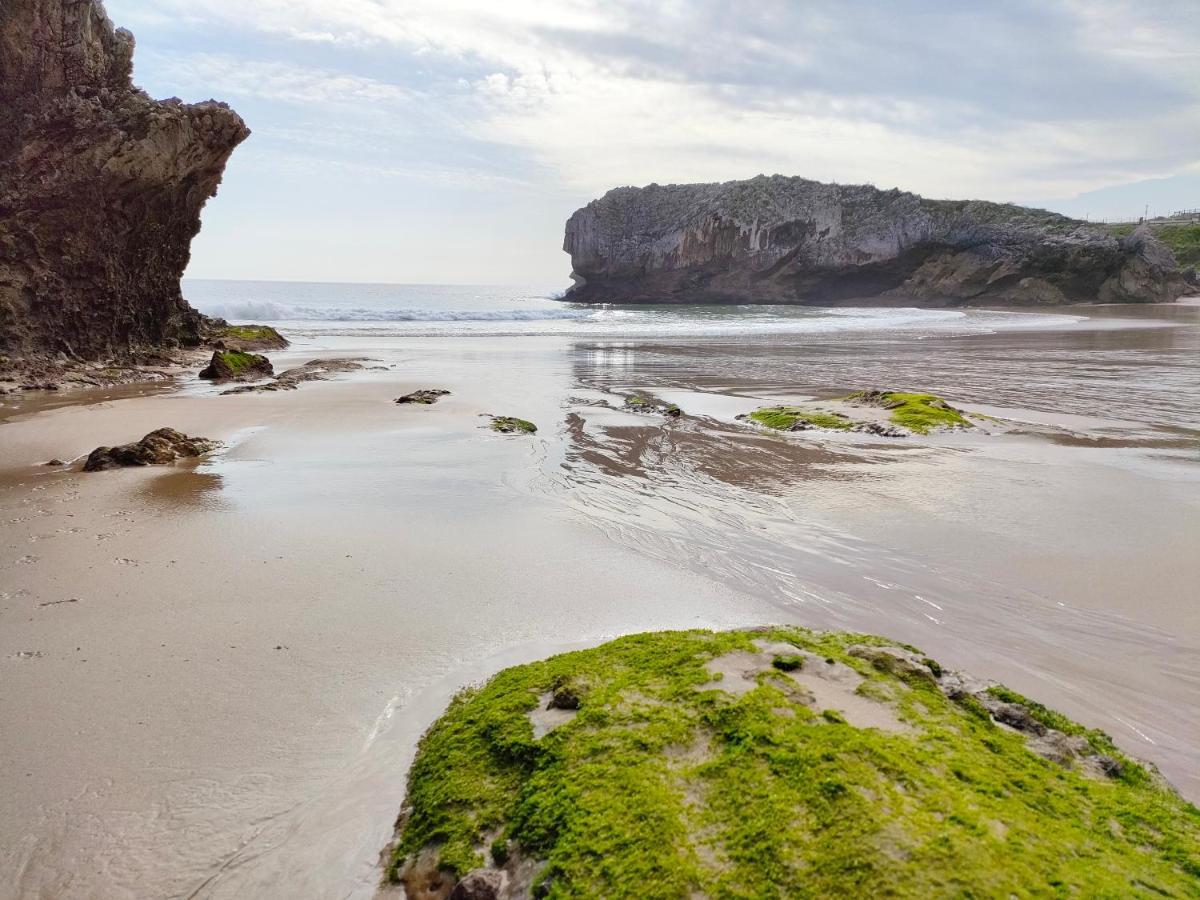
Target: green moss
919,413
251,333
662,787
237,360
1182,239
788,662
785,418
512,425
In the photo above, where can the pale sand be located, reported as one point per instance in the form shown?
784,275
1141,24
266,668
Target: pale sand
156,743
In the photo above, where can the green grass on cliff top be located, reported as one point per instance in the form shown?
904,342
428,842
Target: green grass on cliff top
658,790
1184,240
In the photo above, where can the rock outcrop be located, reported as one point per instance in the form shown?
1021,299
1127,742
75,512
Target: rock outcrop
237,365
158,448
101,187
776,762
789,240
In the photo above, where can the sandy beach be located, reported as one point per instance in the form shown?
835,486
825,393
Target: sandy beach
213,674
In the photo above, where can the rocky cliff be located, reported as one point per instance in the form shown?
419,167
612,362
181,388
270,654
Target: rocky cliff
790,240
101,187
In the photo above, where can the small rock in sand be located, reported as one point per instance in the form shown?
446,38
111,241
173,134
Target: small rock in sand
427,396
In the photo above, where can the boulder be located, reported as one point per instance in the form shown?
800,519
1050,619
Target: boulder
165,445
237,365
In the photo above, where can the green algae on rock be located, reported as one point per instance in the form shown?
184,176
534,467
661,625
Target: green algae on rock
247,337
688,764
423,397
919,413
512,425
907,413
236,365
796,418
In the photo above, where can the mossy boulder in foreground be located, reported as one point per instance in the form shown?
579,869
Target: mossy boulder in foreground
777,762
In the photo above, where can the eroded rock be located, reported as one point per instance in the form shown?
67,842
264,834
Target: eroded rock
159,447
314,370
101,187
791,240
426,397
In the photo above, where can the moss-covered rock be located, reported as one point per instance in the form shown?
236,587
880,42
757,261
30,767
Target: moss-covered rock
236,365
919,413
423,397
246,337
797,418
638,403
512,425
693,764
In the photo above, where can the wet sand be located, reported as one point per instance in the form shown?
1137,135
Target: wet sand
213,674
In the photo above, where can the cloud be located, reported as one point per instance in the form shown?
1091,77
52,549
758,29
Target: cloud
269,80
1022,99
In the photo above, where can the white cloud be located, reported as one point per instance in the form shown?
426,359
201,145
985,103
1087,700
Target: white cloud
225,75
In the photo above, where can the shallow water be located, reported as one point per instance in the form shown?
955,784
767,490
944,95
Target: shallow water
254,643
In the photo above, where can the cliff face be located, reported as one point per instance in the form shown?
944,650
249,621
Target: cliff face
101,187
790,240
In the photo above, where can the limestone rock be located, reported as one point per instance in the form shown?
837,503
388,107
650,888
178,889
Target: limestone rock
159,447
791,240
101,187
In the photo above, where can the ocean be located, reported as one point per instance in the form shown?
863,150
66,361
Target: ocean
417,310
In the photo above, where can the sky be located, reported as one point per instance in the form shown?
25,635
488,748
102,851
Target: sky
448,141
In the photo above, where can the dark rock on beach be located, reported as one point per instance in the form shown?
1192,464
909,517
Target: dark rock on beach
236,365
159,447
101,187
313,370
791,240
512,425
427,397
641,404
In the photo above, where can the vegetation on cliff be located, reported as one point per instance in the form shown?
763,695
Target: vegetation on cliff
777,763
1182,239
